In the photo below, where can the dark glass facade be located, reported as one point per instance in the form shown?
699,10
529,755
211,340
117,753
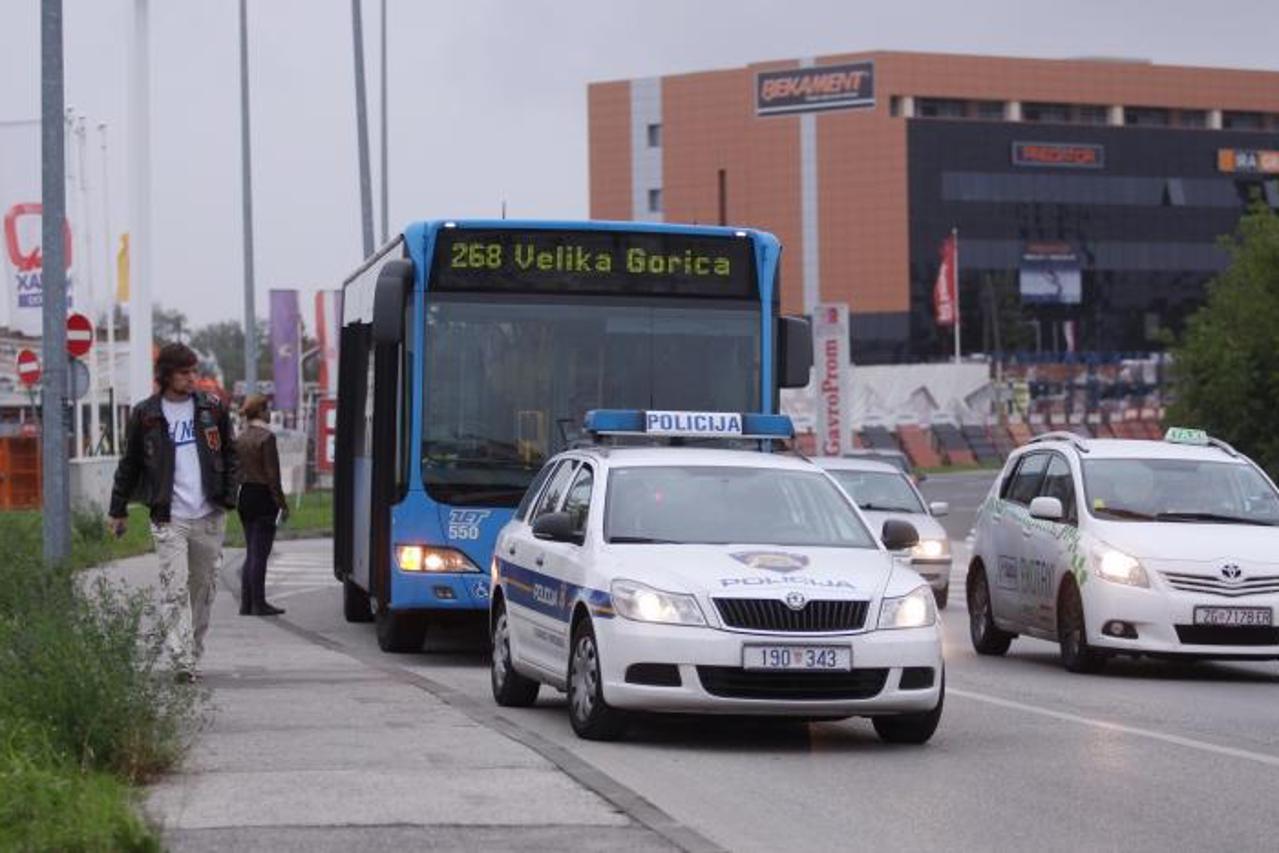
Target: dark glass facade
1144,221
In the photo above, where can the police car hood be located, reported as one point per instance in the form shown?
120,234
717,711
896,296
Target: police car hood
756,571
1193,542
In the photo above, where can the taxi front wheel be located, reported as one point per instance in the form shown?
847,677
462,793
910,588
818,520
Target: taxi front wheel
592,718
1076,654
987,638
911,728
510,689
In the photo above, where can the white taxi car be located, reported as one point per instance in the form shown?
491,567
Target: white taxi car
694,579
1118,546
883,491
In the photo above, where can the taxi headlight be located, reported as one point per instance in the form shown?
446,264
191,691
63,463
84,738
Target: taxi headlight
1118,567
424,558
931,549
913,610
642,603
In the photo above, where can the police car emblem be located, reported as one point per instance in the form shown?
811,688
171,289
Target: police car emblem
795,600
773,561
1231,571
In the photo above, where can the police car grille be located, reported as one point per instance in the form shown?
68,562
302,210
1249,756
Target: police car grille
1255,585
733,682
770,614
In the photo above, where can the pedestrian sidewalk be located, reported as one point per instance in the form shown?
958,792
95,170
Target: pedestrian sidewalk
310,749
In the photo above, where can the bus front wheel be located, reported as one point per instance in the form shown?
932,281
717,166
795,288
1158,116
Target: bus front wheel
399,632
355,602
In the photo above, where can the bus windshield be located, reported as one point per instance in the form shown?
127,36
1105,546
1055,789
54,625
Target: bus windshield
508,377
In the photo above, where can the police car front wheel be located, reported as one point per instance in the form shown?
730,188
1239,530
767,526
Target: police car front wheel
911,728
592,718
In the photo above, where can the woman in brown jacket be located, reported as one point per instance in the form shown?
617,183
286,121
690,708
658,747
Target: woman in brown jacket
261,502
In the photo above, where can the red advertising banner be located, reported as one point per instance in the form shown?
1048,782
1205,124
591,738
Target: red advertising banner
944,296
326,430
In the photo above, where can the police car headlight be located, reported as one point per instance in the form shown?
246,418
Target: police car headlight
1118,567
642,603
931,549
913,610
422,558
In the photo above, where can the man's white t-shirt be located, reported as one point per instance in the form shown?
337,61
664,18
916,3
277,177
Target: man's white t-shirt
188,487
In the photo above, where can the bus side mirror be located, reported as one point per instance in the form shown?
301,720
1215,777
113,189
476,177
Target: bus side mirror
394,283
795,345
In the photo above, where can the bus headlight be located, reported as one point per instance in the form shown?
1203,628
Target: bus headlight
644,604
913,610
424,558
1118,567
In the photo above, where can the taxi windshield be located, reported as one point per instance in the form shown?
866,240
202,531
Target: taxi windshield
879,491
1179,490
721,505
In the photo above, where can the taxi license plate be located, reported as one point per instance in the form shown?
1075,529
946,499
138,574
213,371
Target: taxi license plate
1234,616
803,658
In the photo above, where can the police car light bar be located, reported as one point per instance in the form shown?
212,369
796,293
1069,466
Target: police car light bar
688,424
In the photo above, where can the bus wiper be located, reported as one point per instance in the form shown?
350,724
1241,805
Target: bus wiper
1211,517
1120,512
641,540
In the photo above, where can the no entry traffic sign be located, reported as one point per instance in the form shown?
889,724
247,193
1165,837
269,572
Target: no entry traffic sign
79,335
28,367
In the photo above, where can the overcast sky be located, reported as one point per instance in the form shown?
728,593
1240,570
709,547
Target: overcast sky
487,99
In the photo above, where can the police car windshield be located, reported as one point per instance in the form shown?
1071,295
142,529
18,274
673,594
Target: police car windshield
729,505
879,491
1179,490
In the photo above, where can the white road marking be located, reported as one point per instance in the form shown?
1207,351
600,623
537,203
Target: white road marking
1189,743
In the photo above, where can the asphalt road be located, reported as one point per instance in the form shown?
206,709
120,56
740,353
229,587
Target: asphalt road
1148,756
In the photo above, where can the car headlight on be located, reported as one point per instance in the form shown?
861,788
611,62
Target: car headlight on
1118,567
642,603
931,549
916,609
424,558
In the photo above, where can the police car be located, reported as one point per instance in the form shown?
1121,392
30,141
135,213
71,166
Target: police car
705,579
883,491
1117,546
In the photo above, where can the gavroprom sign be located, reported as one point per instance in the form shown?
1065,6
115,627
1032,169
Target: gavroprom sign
826,87
830,364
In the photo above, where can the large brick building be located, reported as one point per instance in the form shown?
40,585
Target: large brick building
1088,194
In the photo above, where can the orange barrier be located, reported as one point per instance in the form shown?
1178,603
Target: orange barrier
918,445
20,481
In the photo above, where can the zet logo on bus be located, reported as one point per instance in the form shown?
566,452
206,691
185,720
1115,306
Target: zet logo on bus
466,523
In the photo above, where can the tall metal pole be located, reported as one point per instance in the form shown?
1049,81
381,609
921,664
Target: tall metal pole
385,180
362,130
140,337
73,216
90,304
57,499
111,294
250,318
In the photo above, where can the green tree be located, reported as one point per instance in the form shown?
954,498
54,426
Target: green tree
225,342
1226,365
169,324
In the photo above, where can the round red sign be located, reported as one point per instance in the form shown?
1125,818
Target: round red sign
28,367
79,335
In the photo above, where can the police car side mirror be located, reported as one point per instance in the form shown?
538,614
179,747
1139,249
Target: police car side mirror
898,535
556,527
939,508
1046,508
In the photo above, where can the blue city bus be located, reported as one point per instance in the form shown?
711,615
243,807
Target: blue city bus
470,351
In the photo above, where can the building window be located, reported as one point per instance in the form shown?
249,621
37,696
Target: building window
655,201
990,110
1174,193
1046,113
1232,120
1192,118
1147,116
1091,114
654,136
940,108
895,106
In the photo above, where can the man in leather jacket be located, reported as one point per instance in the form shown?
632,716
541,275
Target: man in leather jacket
180,461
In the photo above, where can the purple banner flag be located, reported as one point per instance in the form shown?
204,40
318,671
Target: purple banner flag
286,348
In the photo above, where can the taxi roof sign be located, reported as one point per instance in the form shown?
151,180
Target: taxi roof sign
680,424
1187,435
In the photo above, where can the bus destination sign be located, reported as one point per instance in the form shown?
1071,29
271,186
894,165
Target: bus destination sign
598,262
